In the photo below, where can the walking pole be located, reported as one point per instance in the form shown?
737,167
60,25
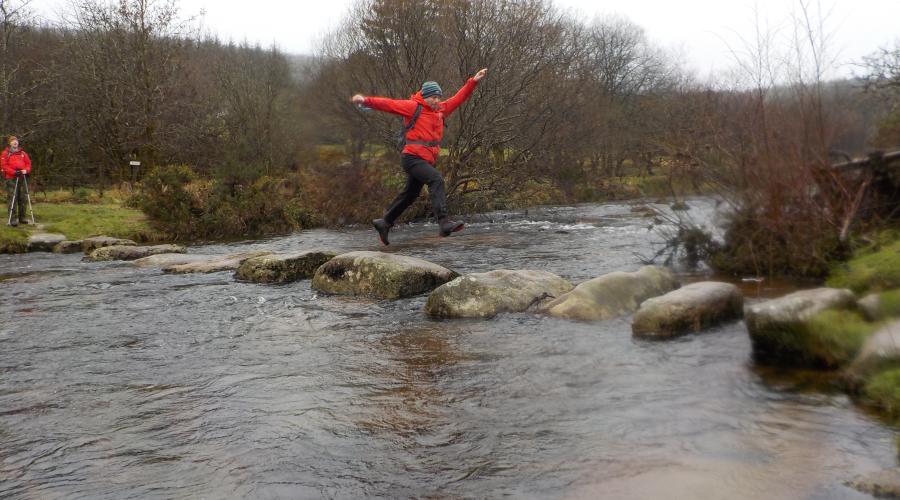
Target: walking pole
12,204
28,197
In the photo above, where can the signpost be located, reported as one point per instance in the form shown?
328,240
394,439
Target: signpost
134,166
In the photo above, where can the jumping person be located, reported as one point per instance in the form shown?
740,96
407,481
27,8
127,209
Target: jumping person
422,145
15,163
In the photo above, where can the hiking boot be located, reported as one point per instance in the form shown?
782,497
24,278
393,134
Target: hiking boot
448,226
23,221
383,229
14,223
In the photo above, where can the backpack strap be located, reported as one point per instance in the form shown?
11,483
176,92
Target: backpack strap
412,121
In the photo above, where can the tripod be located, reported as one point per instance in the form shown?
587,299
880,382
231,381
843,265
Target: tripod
15,198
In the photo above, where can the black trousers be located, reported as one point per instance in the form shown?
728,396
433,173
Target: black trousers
418,173
18,193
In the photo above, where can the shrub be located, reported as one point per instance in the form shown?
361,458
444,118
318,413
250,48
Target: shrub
884,390
226,207
874,269
346,193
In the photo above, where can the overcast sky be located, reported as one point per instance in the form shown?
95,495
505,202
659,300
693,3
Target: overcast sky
700,30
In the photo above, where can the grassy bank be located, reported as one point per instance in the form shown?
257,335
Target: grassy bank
874,268
60,212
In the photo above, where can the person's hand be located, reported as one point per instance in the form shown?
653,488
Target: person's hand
20,173
478,76
358,99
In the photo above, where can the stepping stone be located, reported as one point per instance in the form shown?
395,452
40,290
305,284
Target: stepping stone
68,247
484,295
88,245
44,242
612,295
691,308
282,268
379,275
128,252
214,264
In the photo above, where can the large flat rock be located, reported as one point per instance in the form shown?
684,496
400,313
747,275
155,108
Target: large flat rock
282,268
612,295
380,275
214,264
169,259
44,242
128,252
483,295
778,328
691,308
88,245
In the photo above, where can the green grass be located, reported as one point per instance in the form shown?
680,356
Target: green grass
874,269
77,221
113,196
884,390
890,304
835,336
12,240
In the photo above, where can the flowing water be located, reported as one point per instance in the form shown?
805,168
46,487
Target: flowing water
121,382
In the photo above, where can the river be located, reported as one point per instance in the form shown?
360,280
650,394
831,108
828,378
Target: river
121,382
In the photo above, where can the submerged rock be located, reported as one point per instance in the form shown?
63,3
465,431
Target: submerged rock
44,242
214,264
128,252
612,295
691,308
783,330
483,295
282,268
169,259
67,247
380,275
881,484
88,245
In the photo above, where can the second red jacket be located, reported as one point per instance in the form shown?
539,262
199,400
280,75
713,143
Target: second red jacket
10,162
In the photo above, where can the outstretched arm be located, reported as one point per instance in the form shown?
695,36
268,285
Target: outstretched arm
464,93
402,107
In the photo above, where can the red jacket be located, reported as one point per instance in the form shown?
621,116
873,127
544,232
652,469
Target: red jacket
15,161
430,123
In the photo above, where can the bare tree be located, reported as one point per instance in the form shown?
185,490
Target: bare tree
14,19
124,60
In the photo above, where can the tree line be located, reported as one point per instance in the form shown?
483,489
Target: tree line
571,105
132,80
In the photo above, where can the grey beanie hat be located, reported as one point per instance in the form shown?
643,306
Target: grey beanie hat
431,88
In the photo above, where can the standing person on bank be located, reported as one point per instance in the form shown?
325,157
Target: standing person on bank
15,164
421,148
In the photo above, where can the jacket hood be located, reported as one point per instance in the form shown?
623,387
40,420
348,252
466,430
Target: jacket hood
421,100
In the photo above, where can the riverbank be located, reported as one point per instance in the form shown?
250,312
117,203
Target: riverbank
58,212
